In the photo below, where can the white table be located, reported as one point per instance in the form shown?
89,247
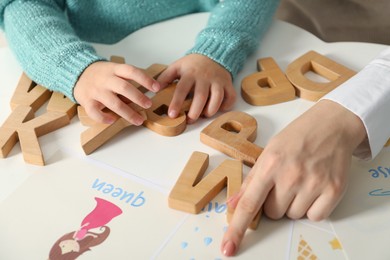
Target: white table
40,204
3,42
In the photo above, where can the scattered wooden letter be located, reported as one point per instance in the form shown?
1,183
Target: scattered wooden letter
191,192
323,66
156,116
28,93
23,126
271,86
98,134
268,86
233,133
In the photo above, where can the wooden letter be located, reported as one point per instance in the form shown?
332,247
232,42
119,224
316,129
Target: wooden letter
28,93
233,133
327,68
98,134
157,119
23,126
268,86
191,193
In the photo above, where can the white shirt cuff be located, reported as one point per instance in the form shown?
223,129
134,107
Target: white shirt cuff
367,95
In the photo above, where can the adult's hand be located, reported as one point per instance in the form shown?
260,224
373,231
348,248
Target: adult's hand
302,171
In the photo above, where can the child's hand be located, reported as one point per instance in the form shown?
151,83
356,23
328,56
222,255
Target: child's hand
302,171
210,83
106,84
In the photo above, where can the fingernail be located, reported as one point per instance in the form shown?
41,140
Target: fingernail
172,113
147,104
109,121
229,248
155,86
138,122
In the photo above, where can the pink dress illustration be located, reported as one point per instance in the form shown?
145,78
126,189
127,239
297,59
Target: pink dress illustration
73,244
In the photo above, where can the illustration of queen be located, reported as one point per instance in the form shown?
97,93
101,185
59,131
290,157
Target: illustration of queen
73,244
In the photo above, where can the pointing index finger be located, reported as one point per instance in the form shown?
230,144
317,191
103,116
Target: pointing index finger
247,208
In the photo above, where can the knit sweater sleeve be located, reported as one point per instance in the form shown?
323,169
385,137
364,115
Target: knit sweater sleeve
234,30
45,44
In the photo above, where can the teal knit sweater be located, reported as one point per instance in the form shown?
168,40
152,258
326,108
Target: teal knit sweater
51,38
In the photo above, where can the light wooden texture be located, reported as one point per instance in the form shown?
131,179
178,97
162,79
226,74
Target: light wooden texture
98,134
268,86
192,191
233,133
117,59
157,118
61,104
323,66
23,126
388,143
28,93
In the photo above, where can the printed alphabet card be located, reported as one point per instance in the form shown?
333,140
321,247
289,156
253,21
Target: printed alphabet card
362,217
83,211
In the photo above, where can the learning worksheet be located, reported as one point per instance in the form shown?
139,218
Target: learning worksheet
95,212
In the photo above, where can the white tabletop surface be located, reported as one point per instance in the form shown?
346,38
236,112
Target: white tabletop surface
3,41
154,161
